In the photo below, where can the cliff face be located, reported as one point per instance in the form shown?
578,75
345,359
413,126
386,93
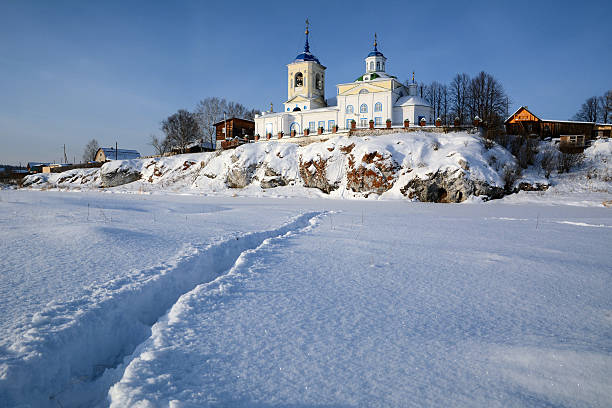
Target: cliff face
424,166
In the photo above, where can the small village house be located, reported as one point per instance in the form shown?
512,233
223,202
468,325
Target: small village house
110,153
525,122
232,128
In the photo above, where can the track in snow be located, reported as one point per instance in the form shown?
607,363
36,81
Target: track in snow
74,351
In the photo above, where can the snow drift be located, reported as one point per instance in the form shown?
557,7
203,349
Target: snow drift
425,166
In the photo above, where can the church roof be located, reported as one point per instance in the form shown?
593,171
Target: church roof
307,55
409,100
375,52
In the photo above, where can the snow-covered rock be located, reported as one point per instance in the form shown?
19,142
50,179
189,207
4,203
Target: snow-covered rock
119,172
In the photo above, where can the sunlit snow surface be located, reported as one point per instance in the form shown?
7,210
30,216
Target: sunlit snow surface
190,301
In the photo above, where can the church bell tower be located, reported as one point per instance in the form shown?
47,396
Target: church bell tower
306,81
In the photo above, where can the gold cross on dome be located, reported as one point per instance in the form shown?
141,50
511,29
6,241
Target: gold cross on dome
307,25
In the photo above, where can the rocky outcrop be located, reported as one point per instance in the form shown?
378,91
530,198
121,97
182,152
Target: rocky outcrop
374,173
449,187
313,174
112,176
273,179
240,177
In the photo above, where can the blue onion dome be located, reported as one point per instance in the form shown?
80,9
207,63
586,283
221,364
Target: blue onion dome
375,52
307,55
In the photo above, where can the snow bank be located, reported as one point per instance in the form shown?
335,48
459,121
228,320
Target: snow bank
400,165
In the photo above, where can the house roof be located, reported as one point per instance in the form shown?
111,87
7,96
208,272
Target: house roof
517,111
122,154
233,118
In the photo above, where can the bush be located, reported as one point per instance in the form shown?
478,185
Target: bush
511,175
567,161
549,159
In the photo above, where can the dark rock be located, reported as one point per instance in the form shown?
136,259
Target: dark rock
449,187
118,176
313,175
375,173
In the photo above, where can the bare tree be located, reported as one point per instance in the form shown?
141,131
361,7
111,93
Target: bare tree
487,99
91,148
445,104
458,97
161,146
606,107
181,129
589,111
433,95
210,111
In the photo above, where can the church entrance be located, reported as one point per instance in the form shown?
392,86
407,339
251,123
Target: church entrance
295,126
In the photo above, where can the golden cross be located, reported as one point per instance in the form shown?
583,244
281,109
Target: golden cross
307,24
375,40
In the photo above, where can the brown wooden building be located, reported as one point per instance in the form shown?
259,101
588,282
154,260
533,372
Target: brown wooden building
525,122
234,127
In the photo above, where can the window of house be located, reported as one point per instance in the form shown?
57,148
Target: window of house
372,66
299,79
305,107
319,82
349,108
348,123
378,120
311,126
363,108
363,122
330,124
322,124
378,107
364,91
378,65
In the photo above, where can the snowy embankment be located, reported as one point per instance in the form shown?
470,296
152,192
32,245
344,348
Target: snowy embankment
424,166
588,183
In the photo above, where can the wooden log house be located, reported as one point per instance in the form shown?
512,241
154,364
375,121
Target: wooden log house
234,127
525,122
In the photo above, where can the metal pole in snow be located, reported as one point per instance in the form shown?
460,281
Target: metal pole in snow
116,151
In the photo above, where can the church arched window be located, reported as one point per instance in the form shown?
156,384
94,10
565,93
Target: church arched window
363,108
349,109
378,65
364,91
371,65
299,79
378,107
319,82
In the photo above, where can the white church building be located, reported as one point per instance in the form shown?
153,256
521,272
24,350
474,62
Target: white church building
375,96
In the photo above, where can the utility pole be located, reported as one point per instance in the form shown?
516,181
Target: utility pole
116,155
65,158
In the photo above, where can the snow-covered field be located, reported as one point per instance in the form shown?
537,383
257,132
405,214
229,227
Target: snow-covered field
161,300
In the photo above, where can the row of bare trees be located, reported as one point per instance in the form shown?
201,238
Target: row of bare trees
465,98
596,109
184,127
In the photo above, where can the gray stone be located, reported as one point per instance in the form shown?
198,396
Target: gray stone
449,187
118,176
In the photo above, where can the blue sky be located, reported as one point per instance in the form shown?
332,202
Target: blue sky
71,71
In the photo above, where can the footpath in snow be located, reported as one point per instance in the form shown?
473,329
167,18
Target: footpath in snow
396,305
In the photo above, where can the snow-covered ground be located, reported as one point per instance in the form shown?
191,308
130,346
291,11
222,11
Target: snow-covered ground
161,300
